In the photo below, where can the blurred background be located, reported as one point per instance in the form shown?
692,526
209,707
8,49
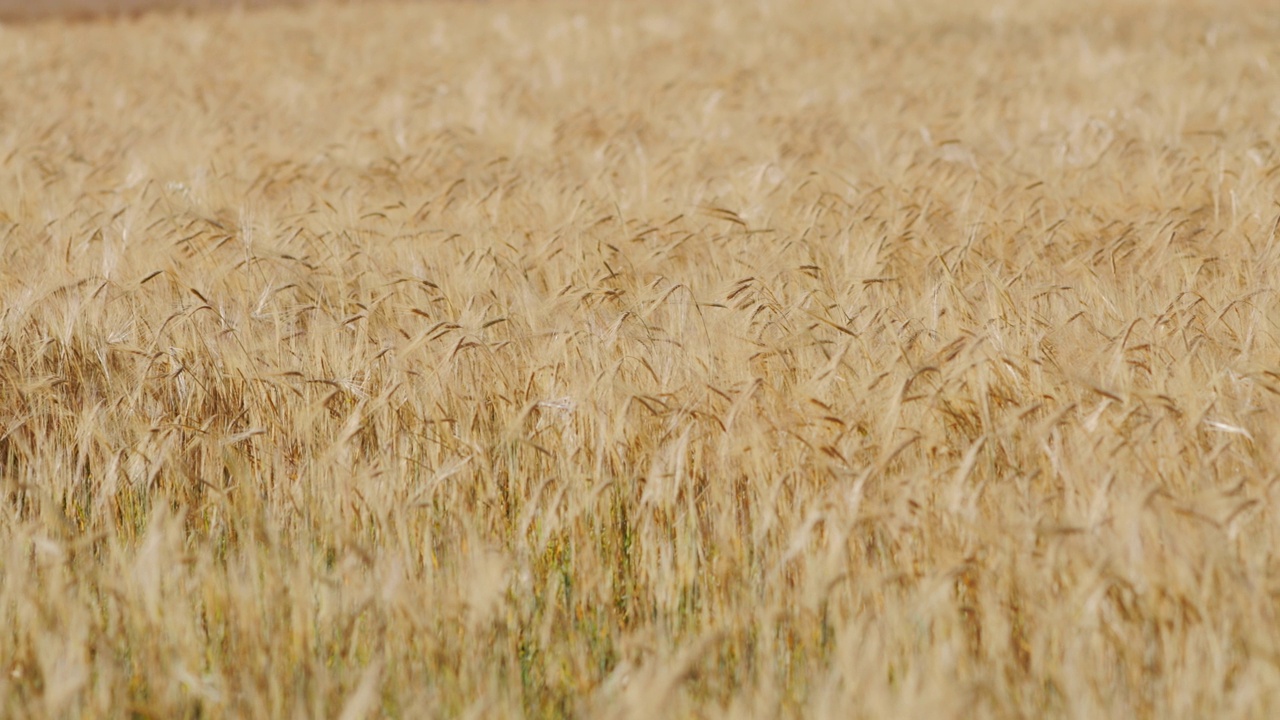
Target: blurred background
13,10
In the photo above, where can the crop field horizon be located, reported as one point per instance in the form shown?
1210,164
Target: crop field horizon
636,360
61,11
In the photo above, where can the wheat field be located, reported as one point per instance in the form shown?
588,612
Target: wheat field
642,360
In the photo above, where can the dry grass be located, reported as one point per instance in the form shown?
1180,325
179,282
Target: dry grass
77,10
622,360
